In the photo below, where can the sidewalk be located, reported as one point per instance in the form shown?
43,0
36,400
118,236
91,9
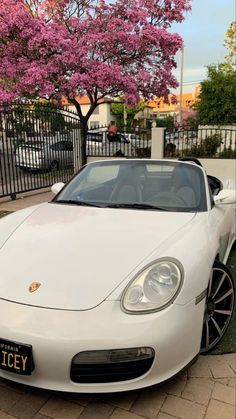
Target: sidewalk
205,391
24,201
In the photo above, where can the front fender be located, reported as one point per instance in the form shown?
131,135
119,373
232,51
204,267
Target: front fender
190,246
11,222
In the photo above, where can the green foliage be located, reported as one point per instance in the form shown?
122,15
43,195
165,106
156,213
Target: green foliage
194,151
228,153
230,44
42,117
217,100
191,122
50,116
208,147
19,122
210,144
167,122
118,110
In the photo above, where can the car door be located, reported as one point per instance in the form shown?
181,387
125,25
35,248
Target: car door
63,153
67,150
222,224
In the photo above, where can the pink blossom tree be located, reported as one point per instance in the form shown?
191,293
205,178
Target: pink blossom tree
71,48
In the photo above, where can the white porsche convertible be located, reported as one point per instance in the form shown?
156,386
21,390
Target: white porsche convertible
120,281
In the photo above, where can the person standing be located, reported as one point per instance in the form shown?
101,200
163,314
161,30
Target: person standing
112,131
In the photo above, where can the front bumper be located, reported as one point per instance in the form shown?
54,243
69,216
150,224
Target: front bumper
57,335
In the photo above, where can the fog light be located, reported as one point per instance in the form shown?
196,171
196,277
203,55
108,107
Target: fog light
113,356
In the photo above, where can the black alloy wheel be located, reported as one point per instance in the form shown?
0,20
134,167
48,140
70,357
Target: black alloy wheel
219,306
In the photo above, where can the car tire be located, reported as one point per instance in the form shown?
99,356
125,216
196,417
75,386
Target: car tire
54,166
118,154
219,306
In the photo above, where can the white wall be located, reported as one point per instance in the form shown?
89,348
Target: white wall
224,169
101,116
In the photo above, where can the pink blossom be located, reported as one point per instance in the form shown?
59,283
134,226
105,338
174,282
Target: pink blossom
99,48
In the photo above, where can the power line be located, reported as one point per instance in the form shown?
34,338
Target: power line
193,82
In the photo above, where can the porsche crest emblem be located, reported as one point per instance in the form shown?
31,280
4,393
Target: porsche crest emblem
34,286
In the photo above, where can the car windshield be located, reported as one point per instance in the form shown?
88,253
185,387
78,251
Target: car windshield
36,145
95,136
138,184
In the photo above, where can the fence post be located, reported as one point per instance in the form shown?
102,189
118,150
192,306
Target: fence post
77,149
157,150
4,139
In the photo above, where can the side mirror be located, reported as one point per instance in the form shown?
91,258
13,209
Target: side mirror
225,196
57,187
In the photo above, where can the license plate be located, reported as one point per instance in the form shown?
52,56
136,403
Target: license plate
16,357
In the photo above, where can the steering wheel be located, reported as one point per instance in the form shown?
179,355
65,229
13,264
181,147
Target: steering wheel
167,198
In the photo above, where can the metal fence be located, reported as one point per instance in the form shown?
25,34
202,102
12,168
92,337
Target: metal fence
201,142
39,146
128,144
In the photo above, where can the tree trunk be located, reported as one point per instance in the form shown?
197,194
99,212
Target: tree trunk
84,126
84,131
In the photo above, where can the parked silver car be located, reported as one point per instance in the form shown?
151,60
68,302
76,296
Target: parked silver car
99,144
51,154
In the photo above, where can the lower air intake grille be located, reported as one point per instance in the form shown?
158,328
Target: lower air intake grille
111,366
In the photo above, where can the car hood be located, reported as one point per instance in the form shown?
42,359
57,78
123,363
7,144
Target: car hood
79,255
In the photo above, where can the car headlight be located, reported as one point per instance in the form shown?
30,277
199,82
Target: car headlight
154,288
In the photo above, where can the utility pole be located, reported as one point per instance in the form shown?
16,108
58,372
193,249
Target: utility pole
125,118
181,88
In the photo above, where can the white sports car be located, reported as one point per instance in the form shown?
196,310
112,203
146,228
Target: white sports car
119,282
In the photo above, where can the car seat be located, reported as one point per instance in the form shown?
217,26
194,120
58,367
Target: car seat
186,185
128,188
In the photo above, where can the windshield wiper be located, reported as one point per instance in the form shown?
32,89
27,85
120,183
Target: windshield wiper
136,205
74,202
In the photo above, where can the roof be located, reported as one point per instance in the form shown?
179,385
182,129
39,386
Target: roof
83,100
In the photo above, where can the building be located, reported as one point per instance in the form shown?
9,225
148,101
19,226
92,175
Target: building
160,109
102,115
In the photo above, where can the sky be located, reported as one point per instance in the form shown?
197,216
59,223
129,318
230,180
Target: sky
203,33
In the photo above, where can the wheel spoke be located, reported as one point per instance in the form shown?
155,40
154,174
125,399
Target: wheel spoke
219,306
216,326
225,312
219,285
224,296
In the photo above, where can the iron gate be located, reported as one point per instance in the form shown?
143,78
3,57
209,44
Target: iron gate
39,145
201,142
136,144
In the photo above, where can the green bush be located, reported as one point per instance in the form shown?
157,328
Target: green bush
228,153
208,147
167,122
194,151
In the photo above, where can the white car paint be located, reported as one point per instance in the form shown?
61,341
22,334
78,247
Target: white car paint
109,226
100,328
84,257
